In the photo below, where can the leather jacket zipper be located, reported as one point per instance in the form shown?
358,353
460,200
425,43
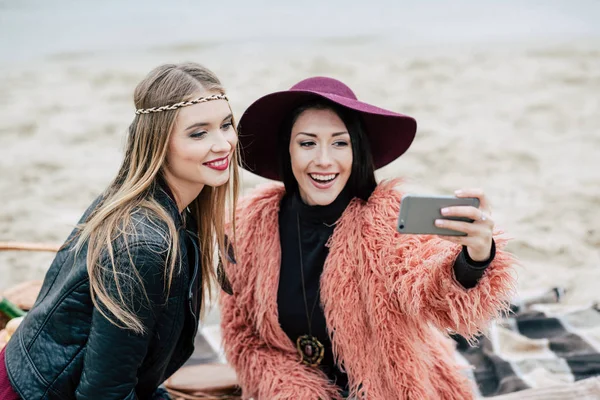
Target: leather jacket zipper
192,237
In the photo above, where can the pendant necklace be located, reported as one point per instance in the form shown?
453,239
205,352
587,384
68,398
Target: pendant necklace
310,349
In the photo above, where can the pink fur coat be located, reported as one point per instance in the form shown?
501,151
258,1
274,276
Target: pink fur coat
386,298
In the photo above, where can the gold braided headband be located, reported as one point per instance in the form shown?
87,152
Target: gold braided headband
181,104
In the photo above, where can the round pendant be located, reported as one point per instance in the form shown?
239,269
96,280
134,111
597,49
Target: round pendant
310,349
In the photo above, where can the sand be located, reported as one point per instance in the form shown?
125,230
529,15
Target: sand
521,121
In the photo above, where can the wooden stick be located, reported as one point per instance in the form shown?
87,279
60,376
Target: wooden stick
25,246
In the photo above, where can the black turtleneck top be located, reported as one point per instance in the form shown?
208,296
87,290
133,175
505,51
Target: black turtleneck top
316,226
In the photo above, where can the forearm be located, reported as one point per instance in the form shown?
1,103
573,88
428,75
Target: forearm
114,353
426,288
467,271
111,363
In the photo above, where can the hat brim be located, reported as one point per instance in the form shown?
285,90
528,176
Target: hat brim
390,134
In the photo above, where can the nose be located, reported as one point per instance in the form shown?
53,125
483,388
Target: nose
323,158
221,144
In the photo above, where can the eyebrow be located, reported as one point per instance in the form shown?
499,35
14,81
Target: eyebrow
313,135
203,124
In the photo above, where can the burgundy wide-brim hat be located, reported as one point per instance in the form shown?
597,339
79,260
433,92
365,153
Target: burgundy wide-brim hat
390,134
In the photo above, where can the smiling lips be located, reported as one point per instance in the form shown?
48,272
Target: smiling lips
323,181
220,164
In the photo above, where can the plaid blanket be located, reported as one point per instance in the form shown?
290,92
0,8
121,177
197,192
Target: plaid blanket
539,346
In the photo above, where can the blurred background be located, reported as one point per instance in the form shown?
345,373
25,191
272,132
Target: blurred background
507,96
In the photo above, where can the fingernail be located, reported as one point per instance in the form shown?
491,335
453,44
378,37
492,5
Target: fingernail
458,192
439,222
445,211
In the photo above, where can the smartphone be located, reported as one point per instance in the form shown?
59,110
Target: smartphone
419,212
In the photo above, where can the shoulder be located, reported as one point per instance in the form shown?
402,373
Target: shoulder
144,239
387,191
375,218
262,201
384,203
145,225
149,226
137,262
256,218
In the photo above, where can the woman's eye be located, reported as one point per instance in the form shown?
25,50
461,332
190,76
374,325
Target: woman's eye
307,144
341,144
198,135
226,126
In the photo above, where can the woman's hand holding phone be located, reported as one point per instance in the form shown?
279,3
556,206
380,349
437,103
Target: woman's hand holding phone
478,239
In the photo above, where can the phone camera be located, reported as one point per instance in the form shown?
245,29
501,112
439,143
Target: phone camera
401,226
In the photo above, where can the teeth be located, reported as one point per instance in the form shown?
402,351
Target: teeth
218,163
323,178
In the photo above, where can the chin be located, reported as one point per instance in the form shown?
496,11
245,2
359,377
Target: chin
324,202
216,185
322,199
218,182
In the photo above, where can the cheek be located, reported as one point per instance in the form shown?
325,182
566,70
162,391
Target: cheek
173,154
299,162
346,161
183,153
180,156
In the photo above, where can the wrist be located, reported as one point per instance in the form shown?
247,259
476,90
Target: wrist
479,255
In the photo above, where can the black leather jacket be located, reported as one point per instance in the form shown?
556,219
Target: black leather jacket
66,349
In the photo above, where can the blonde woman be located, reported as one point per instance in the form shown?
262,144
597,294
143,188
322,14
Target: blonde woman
120,304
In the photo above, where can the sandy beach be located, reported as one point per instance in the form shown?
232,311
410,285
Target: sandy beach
521,120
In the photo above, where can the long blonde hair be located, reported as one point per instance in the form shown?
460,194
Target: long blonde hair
131,190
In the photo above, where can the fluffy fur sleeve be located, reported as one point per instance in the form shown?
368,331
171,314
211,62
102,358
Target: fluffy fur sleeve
418,271
264,358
